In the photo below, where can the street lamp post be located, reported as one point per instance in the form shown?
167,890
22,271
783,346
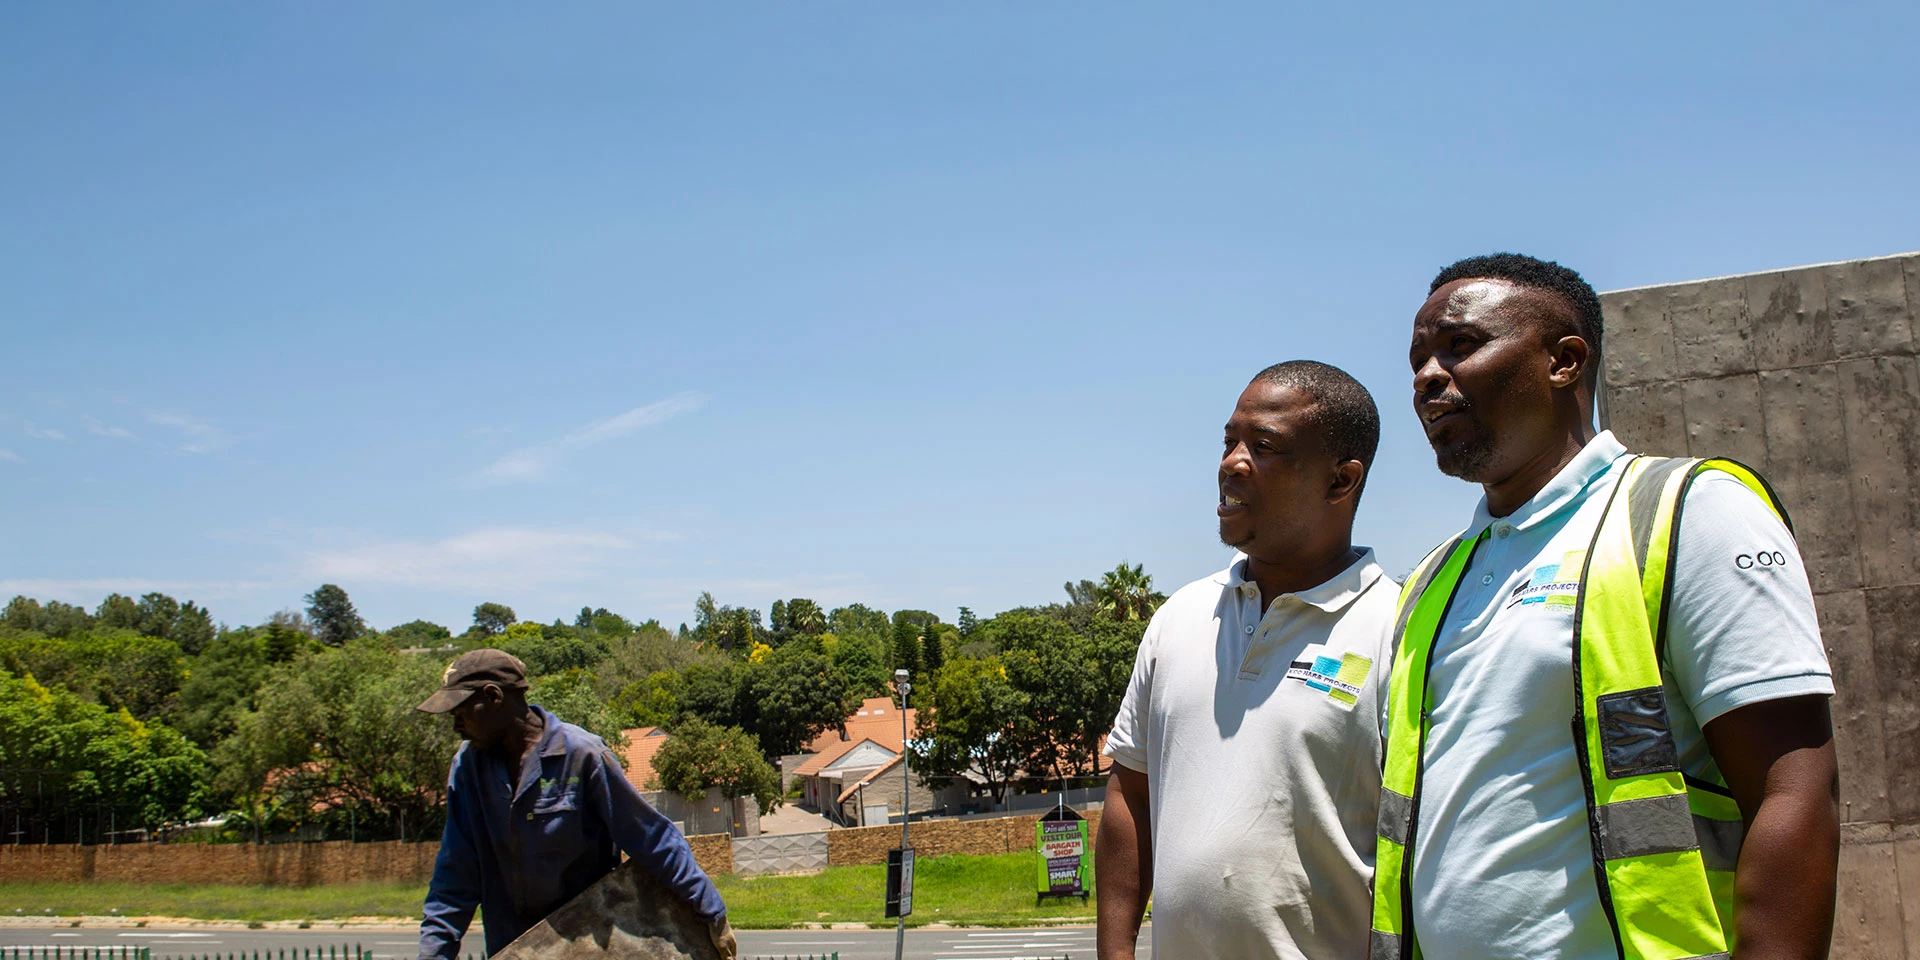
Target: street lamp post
906,811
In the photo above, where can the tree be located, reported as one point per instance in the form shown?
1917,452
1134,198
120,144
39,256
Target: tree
337,726
858,619
933,649
700,755
1126,593
192,628
543,654
282,642
335,621
73,768
1073,681
569,695
115,667
965,723
56,619
906,645
118,611
220,686
805,616
790,696
857,659
651,701
493,619
967,624
419,633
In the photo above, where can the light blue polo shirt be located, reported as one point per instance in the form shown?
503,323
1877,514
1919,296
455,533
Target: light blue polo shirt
1502,863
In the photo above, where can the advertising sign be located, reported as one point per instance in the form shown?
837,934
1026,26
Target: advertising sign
1060,840
900,882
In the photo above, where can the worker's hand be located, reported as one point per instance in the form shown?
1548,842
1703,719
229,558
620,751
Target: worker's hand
723,941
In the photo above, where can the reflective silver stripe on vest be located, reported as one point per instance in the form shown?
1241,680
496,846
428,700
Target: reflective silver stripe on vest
1638,828
1720,842
1383,946
1643,503
1396,814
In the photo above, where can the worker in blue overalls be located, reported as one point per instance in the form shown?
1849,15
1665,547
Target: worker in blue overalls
537,811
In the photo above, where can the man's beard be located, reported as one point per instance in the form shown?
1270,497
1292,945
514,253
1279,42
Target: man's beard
1468,460
1243,540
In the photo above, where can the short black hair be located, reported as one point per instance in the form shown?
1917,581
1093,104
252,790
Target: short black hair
1540,275
1342,408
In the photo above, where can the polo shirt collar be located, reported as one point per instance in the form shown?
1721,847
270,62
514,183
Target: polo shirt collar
1565,491
553,742
1332,596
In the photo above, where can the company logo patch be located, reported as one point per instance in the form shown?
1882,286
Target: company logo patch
1553,584
1341,679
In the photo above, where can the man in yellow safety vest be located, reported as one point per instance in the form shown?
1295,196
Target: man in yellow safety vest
1607,726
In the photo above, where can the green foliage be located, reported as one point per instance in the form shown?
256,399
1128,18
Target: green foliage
967,623
335,621
118,611
282,641
338,726
700,755
735,629
117,668
553,654
569,695
859,620
906,644
1126,593
968,718
493,619
857,658
220,686
60,754
419,633
55,619
651,701
1074,681
788,698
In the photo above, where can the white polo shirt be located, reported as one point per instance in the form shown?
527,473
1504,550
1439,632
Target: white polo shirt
1502,863
1260,739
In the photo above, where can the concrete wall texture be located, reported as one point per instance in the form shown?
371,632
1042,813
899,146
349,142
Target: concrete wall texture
1810,376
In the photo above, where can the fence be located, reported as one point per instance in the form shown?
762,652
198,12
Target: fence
780,853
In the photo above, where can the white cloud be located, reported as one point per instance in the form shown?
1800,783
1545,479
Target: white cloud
6,454
504,558
44,433
99,429
198,436
538,461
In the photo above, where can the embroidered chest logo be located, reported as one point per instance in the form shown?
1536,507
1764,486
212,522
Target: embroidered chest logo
1341,679
1553,584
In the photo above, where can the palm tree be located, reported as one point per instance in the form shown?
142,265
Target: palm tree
1127,593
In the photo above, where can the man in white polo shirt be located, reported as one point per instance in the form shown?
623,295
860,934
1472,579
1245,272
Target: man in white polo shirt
1247,749
1534,808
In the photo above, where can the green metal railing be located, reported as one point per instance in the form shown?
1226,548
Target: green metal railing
76,953
304,953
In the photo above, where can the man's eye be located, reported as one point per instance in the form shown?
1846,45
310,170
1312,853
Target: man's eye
1463,344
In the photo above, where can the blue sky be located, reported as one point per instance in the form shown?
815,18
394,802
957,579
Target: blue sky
913,306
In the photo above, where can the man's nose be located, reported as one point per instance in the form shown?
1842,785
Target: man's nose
1430,378
1235,462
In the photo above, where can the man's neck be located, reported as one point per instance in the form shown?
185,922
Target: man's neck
1510,494
1305,571
522,741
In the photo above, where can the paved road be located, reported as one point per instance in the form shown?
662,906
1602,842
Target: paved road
398,944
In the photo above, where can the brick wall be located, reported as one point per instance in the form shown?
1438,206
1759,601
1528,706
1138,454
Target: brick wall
935,838
1810,376
278,864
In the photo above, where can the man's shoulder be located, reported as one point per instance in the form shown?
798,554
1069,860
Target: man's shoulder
1198,598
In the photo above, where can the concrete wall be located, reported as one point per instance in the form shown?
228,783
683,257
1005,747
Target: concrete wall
275,864
1810,376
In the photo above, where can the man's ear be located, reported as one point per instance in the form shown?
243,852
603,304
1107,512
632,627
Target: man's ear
1570,359
1347,478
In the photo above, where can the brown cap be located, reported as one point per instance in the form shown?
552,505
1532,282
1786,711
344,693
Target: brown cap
471,671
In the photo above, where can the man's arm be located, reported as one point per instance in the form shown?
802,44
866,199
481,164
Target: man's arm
650,838
1123,862
455,889
1777,757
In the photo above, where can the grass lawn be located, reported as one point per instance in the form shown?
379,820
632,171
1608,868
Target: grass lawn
983,891
986,891
214,903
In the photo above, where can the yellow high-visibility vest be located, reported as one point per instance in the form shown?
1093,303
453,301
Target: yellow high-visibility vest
1664,843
